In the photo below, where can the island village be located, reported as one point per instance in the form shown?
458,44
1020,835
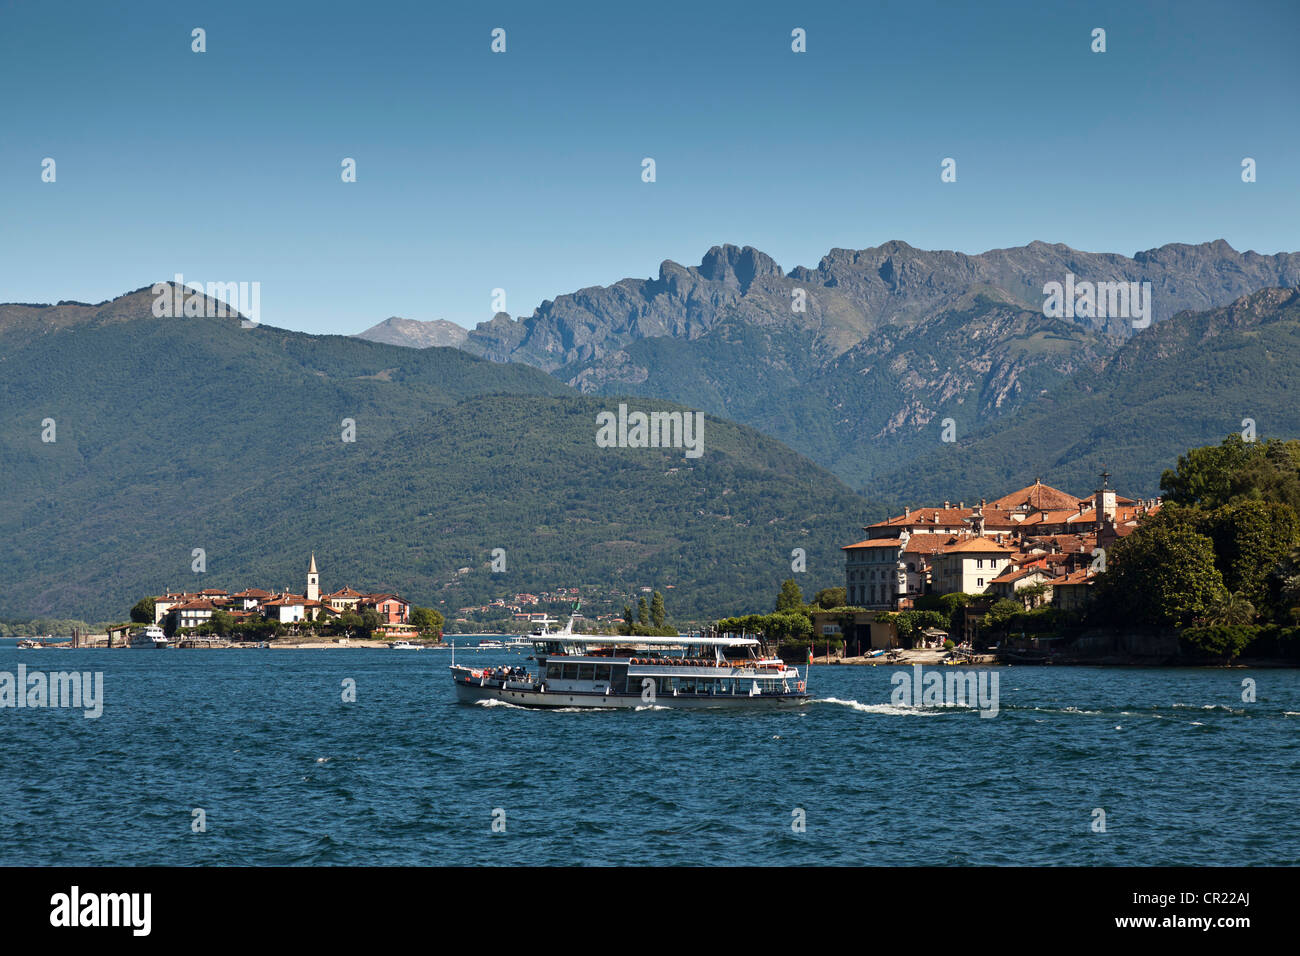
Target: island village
190,614
1038,545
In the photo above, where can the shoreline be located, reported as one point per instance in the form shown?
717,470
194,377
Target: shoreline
931,657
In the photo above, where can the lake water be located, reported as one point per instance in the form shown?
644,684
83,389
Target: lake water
286,772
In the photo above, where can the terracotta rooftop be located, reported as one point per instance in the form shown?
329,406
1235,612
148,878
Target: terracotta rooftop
1037,497
873,543
978,546
1081,576
196,605
950,517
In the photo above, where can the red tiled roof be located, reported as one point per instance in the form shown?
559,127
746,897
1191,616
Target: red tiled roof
924,543
1038,497
1052,516
978,546
1082,576
1067,542
936,516
195,605
999,518
873,543
1015,574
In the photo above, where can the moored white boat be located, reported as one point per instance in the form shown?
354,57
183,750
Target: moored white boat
152,637
404,646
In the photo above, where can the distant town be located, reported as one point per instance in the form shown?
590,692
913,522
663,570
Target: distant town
255,613
521,610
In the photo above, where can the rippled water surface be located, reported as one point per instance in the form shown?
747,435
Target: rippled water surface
287,773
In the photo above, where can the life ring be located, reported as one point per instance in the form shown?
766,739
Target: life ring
802,685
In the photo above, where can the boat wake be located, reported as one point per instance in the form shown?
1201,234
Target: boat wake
893,710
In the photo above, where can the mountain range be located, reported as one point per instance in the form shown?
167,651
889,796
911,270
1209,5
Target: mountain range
128,441
891,343
176,434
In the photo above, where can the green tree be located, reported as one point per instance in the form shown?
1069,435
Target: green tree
1162,575
828,598
1231,608
788,626
627,619
1032,595
950,605
1250,539
998,617
1225,642
657,613
910,624
1203,476
428,620
642,612
790,598
1284,589
221,622
1236,470
143,612
370,621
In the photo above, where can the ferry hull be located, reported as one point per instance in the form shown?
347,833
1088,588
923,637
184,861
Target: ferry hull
471,692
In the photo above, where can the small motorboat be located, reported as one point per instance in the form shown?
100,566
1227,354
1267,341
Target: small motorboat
404,646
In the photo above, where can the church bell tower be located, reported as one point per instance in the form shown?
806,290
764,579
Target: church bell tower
313,580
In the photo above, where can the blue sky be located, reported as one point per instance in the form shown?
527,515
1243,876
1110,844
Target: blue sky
522,170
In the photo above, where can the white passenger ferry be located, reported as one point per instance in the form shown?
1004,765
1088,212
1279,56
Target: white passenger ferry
610,672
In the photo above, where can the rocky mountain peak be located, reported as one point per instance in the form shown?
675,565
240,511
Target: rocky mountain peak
738,267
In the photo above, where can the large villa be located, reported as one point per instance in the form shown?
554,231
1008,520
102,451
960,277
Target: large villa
1038,535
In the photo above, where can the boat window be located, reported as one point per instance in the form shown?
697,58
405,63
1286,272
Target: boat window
586,671
602,673
554,671
570,671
